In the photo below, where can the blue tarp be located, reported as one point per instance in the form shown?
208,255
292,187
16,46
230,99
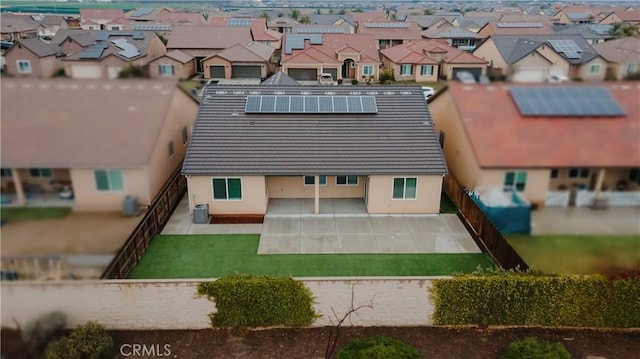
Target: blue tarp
514,219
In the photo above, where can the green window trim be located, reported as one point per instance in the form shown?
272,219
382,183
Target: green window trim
515,180
226,189
405,188
347,180
108,180
310,180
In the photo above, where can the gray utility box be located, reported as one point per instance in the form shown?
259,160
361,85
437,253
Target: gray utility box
201,214
130,206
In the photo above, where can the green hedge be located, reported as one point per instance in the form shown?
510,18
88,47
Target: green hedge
255,301
532,348
87,341
377,348
527,299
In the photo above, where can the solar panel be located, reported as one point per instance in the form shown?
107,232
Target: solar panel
239,22
518,24
399,25
92,53
153,27
568,47
310,104
296,41
142,11
102,36
319,30
138,36
589,101
128,50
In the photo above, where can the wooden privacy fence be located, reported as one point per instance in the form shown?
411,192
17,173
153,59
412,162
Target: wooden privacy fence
151,224
483,231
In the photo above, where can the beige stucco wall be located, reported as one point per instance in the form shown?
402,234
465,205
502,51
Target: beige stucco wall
216,61
182,111
156,49
87,196
254,196
293,187
70,47
584,71
61,175
535,189
362,77
40,67
488,51
427,201
181,71
416,76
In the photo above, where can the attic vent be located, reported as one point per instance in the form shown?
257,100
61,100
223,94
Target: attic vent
278,92
254,92
221,92
405,92
305,92
238,92
372,92
329,92
389,93
355,93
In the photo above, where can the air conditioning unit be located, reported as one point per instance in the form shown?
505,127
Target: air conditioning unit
201,214
130,206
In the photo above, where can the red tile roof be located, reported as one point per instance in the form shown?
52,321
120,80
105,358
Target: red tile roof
427,51
410,33
502,138
512,29
332,44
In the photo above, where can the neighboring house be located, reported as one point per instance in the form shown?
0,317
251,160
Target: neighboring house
252,144
321,29
457,37
111,52
535,58
517,28
622,56
32,58
433,21
369,16
49,25
251,60
105,140
429,60
282,25
280,79
260,33
73,41
164,15
101,19
390,33
593,33
334,20
15,27
204,41
174,64
629,16
544,141
344,56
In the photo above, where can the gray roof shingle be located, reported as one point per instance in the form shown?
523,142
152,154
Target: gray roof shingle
399,139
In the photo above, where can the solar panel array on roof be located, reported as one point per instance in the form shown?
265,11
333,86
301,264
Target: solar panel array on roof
398,25
239,22
590,101
153,27
296,41
128,50
142,11
578,15
310,104
518,24
138,36
318,30
568,47
102,36
600,29
92,53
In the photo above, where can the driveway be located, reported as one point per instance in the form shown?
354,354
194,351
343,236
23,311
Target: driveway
573,220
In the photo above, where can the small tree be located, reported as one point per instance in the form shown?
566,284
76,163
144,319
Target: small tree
334,334
295,13
342,12
428,12
304,19
264,15
533,348
87,341
386,76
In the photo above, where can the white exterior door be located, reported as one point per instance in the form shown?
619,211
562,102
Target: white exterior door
86,71
530,74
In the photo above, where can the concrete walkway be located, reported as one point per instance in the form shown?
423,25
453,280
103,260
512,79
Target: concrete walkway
572,220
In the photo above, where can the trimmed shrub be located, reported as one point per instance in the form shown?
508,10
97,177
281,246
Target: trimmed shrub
386,76
532,348
378,347
87,341
513,298
354,82
245,301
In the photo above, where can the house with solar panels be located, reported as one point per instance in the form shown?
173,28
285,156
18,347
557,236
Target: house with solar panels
524,28
556,145
253,144
102,19
537,58
32,58
390,33
104,54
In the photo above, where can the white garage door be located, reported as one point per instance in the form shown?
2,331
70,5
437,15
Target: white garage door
114,71
529,75
86,72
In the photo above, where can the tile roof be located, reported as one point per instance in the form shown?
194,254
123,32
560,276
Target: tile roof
514,47
179,56
426,21
398,139
260,32
331,45
11,23
410,33
451,32
83,38
368,16
251,51
623,50
137,40
206,37
535,28
78,124
39,48
330,19
427,52
87,14
513,141
280,79
629,15
588,31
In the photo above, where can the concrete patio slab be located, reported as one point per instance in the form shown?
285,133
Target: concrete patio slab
572,220
353,225
317,225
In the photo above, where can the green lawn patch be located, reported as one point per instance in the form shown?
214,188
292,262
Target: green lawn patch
33,213
446,206
213,256
578,254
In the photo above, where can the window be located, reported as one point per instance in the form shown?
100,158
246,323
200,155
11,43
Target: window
427,70
170,148
441,139
406,69
109,180
40,172
185,135
367,70
634,175
166,70
554,173
6,172
24,66
594,69
227,188
310,180
405,188
346,180
517,180
578,173
632,69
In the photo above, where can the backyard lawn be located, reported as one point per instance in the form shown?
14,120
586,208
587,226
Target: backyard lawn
578,254
210,256
33,213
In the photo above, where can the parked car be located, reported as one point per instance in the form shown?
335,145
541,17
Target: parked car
428,92
558,79
465,77
326,79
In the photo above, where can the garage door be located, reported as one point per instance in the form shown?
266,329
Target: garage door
303,74
529,75
113,71
216,72
86,71
245,72
333,72
476,72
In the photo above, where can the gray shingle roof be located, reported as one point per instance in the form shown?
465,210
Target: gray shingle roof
280,79
515,47
399,139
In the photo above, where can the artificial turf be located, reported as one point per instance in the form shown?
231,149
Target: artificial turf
32,213
212,256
